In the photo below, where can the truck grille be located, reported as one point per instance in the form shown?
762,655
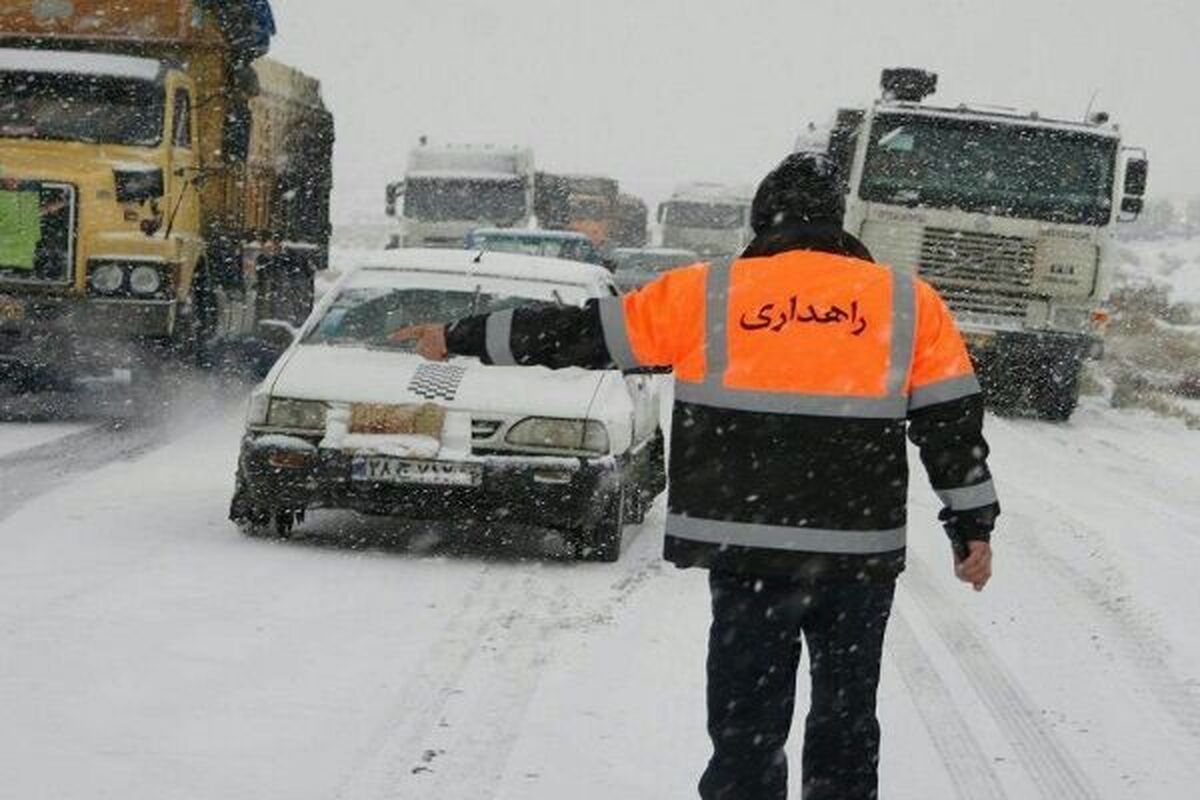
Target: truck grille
984,259
38,232
979,273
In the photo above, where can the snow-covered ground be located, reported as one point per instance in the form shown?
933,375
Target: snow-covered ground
1172,262
148,650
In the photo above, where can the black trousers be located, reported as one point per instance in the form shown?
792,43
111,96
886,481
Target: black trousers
753,656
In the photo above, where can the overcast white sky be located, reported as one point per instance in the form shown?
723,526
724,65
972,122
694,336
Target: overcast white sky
656,92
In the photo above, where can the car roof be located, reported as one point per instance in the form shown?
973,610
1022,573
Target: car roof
474,263
528,233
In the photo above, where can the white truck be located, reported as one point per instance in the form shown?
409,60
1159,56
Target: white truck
450,190
711,219
1009,215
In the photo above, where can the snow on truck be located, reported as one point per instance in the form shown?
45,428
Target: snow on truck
1008,215
159,182
708,218
450,190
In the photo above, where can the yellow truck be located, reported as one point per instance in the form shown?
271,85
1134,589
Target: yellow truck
161,183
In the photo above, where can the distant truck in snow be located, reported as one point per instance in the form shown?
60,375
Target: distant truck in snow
711,219
587,204
450,190
1010,216
160,183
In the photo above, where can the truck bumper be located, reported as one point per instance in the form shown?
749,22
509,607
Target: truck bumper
558,493
1029,368
43,332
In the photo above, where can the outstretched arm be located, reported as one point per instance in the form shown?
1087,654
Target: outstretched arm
637,330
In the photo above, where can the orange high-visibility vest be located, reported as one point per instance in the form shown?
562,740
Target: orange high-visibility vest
800,333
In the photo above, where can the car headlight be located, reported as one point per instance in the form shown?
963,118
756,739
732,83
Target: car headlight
107,278
298,415
145,280
547,433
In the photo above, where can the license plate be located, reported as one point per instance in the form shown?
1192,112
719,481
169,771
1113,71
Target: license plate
381,469
11,309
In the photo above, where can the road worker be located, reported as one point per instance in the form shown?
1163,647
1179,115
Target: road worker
799,369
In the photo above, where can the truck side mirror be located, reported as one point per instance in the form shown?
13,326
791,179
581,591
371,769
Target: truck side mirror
392,195
662,212
1137,171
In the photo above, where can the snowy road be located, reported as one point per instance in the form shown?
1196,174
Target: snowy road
148,650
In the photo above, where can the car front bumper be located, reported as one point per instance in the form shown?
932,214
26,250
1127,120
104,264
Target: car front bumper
551,492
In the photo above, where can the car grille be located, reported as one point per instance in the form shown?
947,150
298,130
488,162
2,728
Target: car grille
484,429
47,256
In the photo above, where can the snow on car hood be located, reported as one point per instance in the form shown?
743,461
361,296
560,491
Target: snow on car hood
369,375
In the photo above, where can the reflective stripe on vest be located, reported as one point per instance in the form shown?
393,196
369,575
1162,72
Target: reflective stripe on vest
944,391
616,334
780,537
713,391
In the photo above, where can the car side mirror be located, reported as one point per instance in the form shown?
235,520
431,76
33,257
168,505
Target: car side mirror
278,330
662,212
1132,205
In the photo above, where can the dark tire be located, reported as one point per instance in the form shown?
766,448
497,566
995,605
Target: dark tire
259,522
601,539
1057,396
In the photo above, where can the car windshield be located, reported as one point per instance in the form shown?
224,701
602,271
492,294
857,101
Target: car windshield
81,108
367,311
499,202
1007,170
705,215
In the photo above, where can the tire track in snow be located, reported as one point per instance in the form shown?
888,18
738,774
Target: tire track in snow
489,728
29,474
969,768
1130,629
424,756
417,709
1051,767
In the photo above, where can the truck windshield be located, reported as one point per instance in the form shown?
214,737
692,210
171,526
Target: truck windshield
81,108
704,215
498,202
1000,169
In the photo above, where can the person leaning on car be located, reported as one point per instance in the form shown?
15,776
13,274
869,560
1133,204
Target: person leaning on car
799,369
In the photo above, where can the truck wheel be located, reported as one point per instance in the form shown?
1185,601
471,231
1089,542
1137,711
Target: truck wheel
601,539
1057,395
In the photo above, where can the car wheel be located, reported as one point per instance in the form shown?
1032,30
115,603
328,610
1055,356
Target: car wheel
601,540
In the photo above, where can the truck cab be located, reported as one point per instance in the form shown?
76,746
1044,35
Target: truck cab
98,214
1008,215
708,218
449,191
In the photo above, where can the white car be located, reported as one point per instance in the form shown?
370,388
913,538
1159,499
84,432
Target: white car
348,419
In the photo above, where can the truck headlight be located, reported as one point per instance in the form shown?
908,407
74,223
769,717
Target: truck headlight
107,278
134,278
297,415
145,280
548,433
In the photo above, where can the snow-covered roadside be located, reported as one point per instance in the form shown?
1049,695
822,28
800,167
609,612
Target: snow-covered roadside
151,651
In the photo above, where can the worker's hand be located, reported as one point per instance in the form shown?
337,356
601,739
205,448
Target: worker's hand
430,339
976,568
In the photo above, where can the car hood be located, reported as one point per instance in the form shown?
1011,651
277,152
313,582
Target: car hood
369,375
